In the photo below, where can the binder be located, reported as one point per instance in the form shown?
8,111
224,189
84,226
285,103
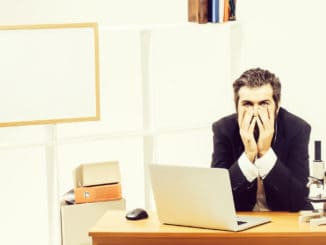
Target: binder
98,193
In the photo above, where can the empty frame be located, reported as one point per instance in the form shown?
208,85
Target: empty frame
49,74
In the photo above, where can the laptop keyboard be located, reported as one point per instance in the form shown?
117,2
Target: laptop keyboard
241,222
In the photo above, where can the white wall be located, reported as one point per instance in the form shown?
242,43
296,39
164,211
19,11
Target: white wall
37,161
108,12
286,37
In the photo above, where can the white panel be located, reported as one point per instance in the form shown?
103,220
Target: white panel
193,147
190,73
23,212
129,153
121,102
23,135
48,74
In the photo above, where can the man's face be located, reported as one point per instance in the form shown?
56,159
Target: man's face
256,101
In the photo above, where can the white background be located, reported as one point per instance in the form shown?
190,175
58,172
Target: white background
162,85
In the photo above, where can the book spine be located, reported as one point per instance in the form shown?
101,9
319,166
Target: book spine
232,4
221,10
226,10
198,11
192,17
213,11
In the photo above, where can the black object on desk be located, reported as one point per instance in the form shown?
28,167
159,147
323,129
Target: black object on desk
137,214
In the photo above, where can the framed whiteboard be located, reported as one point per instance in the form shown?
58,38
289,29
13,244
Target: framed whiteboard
49,74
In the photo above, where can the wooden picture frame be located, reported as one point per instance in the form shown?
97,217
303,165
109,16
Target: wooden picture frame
49,74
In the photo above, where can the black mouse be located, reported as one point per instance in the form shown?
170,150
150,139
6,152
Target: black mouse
136,214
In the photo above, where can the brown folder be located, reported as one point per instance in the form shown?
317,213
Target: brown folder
98,193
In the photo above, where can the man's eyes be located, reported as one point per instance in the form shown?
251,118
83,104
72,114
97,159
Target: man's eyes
264,103
248,104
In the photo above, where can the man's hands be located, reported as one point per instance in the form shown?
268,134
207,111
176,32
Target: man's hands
247,119
266,130
247,124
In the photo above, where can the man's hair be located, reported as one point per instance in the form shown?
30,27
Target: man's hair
254,78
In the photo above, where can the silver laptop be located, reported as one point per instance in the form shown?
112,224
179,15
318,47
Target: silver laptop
197,197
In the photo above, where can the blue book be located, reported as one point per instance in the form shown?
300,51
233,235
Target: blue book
214,10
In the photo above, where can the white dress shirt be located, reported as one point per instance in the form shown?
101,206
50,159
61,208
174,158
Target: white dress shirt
259,169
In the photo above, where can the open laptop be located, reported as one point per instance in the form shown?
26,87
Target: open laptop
197,197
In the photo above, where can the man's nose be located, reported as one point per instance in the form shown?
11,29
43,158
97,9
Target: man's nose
255,110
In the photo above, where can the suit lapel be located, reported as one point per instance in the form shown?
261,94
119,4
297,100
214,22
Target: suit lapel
279,142
238,147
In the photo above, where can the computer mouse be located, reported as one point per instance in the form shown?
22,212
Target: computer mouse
136,214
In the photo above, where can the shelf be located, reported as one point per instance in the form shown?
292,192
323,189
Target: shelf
167,26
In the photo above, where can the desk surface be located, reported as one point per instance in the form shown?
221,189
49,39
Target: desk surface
113,228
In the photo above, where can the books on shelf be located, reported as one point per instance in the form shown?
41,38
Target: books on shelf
213,11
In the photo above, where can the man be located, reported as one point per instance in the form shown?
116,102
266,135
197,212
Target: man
264,147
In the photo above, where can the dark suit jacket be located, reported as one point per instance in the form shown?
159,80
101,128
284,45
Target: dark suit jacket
285,185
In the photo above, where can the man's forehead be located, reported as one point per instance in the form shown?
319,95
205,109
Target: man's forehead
261,93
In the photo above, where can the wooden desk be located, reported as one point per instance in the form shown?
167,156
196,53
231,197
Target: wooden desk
114,229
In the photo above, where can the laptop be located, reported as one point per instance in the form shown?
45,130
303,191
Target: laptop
197,197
